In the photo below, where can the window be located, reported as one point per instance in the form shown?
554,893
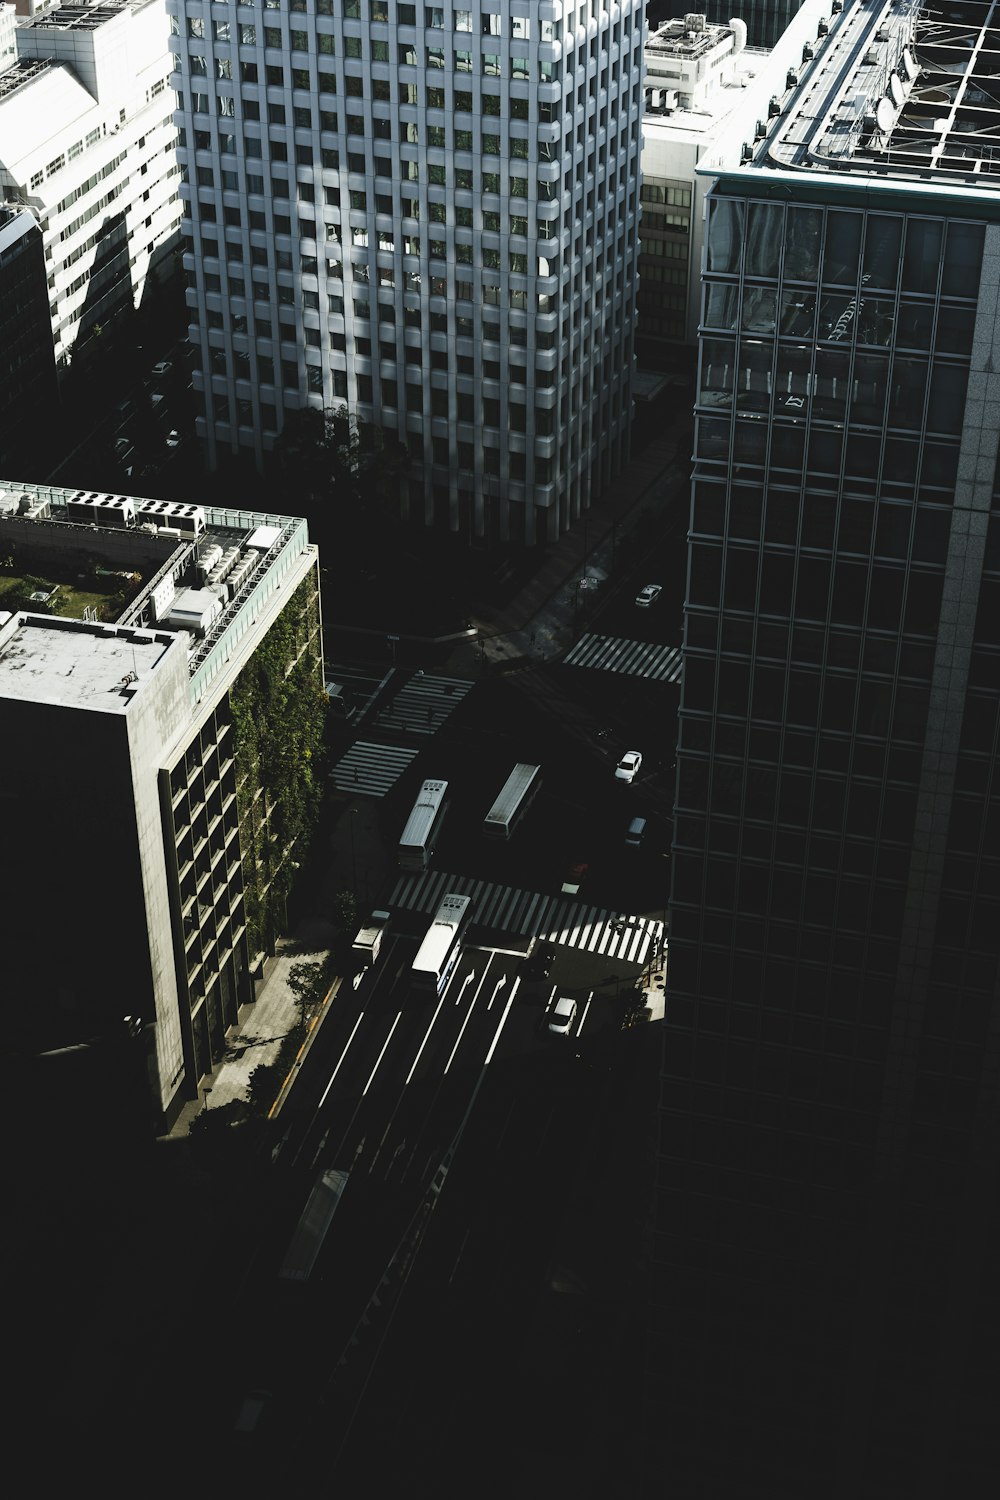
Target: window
220,30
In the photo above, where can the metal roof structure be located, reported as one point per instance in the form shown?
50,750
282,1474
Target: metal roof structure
890,90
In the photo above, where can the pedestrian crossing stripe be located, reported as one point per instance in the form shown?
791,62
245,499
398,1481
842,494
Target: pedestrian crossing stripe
530,914
370,769
423,703
635,658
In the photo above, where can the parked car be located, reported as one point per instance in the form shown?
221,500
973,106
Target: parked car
635,833
628,767
648,595
539,965
562,1016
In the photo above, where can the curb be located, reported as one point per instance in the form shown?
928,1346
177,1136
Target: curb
291,1076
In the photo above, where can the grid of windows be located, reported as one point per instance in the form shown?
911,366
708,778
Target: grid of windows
835,882
435,222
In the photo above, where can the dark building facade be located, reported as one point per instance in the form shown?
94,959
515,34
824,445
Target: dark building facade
830,1113
27,359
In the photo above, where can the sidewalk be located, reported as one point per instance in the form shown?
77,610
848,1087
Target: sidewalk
539,621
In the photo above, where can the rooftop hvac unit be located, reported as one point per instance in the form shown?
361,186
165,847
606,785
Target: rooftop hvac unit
773,107
823,27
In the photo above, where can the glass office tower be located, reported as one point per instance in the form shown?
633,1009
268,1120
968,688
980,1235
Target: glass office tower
826,1316
429,213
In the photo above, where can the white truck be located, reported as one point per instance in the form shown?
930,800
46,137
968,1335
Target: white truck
369,940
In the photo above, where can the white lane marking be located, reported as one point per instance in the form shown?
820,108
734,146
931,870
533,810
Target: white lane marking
468,1018
585,1010
496,990
336,1070
503,1018
399,1017
423,1044
319,1147
465,984
479,986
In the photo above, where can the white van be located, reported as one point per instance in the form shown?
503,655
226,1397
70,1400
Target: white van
635,833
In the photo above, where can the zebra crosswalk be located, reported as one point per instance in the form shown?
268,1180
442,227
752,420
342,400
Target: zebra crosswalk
636,658
371,770
527,914
422,704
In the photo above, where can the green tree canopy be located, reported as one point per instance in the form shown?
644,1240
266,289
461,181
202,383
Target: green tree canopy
338,470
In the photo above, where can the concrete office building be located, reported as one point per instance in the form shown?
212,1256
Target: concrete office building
87,143
829,1160
694,81
427,212
27,362
149,830
765,20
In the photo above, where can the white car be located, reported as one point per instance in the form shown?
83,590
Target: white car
648,595
628,767
160,369
563,1016
173,438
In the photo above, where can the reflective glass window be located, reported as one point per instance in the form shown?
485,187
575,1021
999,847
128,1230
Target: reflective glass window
842,249
962,259
880,264
922,254
725,234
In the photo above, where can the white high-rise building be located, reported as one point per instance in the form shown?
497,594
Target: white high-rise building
87,143
428,212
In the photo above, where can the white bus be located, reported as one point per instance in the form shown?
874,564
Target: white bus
519,791
423,826
439,952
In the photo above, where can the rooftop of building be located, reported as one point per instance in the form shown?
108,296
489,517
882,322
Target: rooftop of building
688,36
77,17
896,90
20,73
156,566
75,663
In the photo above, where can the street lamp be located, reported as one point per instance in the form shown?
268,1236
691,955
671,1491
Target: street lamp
208,1090
354,858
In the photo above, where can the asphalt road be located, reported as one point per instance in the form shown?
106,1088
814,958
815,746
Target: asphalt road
475,1141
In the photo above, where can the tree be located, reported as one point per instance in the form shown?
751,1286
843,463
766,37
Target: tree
339,471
